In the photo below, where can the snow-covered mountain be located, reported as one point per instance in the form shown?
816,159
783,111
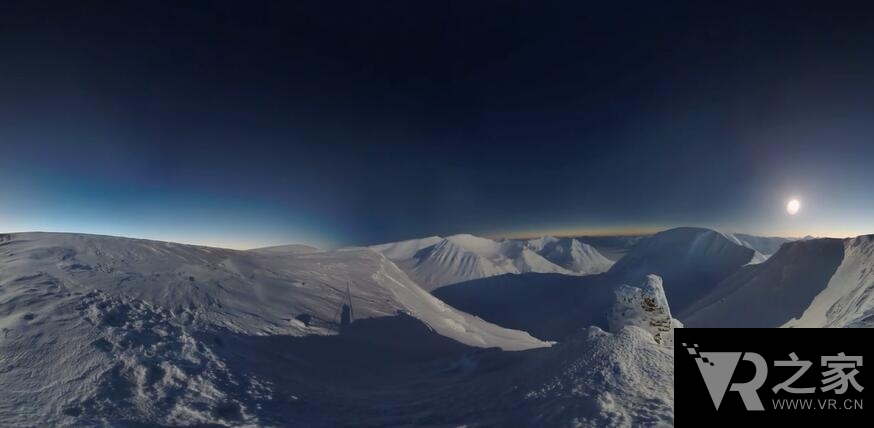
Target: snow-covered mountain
764,245
612,247
508,255
690,260
807,283
406,249
434,262
570,254
122,332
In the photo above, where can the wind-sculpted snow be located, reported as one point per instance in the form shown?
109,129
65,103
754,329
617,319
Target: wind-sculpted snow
610,374
607,379
594,378
646,307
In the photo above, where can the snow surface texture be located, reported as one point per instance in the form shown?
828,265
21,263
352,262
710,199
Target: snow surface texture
251,292
623,360
607,376
434,262
113,331
645,307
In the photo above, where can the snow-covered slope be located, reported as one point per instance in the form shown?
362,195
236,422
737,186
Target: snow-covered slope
612,373
596,377
244,291
88,320
765,245
807,283
446,263
848,299
612,247
601,378
405,249
286,249
570,254
103,331
691,262
434,262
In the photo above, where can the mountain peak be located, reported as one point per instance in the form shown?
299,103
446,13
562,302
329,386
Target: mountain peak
691,261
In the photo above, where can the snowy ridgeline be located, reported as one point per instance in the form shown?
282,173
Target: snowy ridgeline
102,330
435,262
810,283
714,279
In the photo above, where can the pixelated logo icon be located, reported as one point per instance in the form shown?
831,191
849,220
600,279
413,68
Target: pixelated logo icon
717,369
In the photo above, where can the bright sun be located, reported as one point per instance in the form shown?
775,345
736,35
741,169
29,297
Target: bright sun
793,206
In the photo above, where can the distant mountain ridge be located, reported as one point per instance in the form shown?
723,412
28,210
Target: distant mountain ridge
434,261
570,254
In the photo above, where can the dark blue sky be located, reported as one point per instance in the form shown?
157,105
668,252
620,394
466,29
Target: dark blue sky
250,123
